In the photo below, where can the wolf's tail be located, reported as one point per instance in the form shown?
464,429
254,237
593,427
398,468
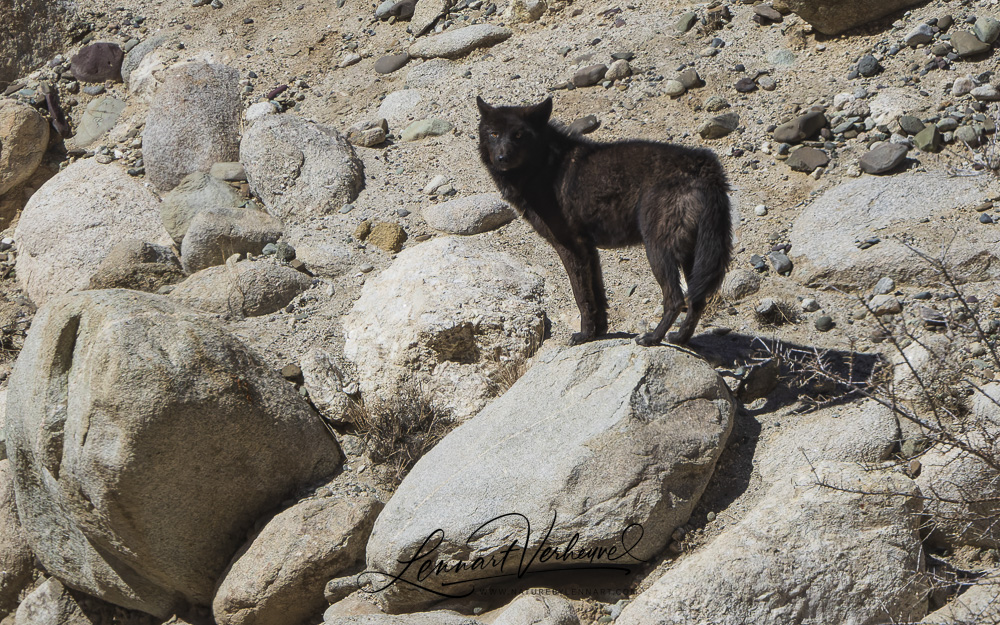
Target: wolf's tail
713,244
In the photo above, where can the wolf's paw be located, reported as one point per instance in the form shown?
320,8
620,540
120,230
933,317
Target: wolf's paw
580,337
677,339
646,340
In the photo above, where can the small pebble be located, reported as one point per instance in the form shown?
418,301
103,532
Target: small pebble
824,323
884,286
760,210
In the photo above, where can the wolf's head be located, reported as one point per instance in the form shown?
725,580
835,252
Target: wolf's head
511,136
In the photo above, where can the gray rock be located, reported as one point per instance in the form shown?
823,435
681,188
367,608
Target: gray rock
215,234
382,10
24,138
590,75
885,305
100,117
719,126
437,617
780,263
948,124
801,128
807,159
470,215
300,169
421,129
825,236
432,318
196,192
137,265
824,323
963,85
98,62
325,384
910,125
883,159
740,283
928,139
986,93
832,17
457,42
618,70
674,88
768,13
921,34
639,433
967,134
690,79
884,286
368,133
33,32
715,103
799,528
686,22
986,29
51,604
781,57
16,559
524,11
864,433
427,13
966,44
93,207
193,122
584,125
135,56
546,608
171,493
244,289
399,106
279,576
404,9
230,172
391,62
260,110
868,65
325,256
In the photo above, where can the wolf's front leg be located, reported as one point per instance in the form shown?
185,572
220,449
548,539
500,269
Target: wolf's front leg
580,262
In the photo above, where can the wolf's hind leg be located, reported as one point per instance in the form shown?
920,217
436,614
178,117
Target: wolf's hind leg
667,274
683,334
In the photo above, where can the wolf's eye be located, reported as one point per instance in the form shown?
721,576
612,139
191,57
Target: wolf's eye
517,135
494,135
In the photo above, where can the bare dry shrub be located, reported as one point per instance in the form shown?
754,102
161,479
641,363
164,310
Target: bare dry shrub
398,431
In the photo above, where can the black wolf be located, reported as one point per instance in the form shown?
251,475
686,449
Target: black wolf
581,195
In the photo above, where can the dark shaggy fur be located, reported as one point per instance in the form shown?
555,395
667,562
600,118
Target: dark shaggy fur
581,195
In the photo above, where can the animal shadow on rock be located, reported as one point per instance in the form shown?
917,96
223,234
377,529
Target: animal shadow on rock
775,375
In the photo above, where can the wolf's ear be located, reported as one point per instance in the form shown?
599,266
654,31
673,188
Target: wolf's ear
484,108
540,113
